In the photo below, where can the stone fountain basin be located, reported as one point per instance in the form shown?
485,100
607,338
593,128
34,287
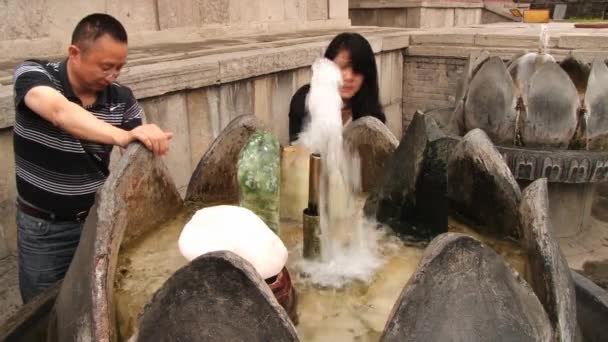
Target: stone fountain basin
138,197
128,207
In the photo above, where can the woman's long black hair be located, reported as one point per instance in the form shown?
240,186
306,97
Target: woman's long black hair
367,100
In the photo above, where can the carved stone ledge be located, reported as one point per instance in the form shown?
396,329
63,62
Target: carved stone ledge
558,166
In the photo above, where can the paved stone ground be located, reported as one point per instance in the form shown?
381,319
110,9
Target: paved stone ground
10,299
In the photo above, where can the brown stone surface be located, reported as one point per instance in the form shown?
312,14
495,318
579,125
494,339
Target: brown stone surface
464,291
137,196
216,297
481,186
10,298
30,321
214,178
550,273
375,144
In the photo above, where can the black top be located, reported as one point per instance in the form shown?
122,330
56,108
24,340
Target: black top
298,113
57,172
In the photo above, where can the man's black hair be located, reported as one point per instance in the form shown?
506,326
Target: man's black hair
93,26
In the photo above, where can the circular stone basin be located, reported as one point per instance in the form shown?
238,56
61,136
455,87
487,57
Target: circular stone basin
356,312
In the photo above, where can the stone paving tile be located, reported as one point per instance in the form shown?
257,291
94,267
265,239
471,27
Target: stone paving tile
10,299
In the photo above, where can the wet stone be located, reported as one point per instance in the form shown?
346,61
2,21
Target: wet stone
126,207
591,308
411,198
481,186
375,144
446,301
551,117
259,177
550,273
578,71
393,202
214,179
216,297
491,101
432,205
596,105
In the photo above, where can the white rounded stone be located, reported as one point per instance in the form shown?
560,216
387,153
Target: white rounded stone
234,229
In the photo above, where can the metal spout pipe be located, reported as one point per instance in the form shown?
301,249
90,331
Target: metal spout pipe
314,177
311,223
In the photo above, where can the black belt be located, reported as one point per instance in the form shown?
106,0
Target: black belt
45,215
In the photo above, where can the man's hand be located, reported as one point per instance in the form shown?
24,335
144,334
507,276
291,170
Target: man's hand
54,107
151,136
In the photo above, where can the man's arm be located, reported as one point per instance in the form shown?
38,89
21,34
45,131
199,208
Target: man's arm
55,108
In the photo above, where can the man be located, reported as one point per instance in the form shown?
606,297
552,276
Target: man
68,117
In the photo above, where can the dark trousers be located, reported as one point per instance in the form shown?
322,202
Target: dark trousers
46,250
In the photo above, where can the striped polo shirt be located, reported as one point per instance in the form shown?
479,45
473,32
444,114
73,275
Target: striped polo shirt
57,172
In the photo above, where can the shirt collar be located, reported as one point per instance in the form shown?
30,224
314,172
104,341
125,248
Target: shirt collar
102,96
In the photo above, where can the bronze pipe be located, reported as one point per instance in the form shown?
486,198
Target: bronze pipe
312,230
314,177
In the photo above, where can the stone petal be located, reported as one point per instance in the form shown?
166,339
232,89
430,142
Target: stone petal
491,101
578,71
550,273
393,202
464,291
214,179
473,64
591,308
375,144
411,198
481,186
552,109
596,105
216,297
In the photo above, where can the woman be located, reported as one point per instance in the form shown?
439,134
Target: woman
355,58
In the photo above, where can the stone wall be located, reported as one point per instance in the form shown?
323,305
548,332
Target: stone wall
416,14
429,83
43,28
429,13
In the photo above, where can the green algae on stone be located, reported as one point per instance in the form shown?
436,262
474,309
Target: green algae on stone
259,177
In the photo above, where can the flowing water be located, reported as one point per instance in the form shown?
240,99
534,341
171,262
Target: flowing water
349,249
357,311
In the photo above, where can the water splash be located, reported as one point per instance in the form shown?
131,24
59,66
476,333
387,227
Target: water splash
543,39
347,250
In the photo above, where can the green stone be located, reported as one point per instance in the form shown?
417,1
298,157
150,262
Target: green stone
259,177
